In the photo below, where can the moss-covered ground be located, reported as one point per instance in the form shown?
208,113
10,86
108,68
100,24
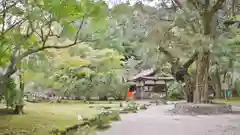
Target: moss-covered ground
40,118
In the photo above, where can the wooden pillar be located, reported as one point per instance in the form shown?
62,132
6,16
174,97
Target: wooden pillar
166,90
142,89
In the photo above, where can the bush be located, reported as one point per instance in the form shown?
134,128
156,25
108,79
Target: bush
115,116
175,96
102,120
175,91
131,107
85,130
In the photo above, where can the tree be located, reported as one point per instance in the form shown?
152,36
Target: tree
81,71
28,27
180,33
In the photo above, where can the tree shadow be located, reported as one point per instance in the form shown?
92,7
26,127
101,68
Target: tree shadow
6,112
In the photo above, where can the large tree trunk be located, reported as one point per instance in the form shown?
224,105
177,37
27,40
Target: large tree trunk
231,68
217,82
19,106
19,109
180,72
201,92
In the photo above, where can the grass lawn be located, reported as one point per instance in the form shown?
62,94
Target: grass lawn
233,100
40,118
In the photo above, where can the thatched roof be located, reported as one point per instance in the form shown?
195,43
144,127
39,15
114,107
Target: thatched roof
143,73
149,74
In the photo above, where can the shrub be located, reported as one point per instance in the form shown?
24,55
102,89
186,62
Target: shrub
175,91
115,116
102,120
85,130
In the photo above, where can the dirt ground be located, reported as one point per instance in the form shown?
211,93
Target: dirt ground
156,121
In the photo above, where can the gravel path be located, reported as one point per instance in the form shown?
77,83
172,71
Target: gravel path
155,121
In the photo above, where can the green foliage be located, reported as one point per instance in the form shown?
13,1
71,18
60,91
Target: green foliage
85,130
102,120
36,26
81,71
115,116
174,91
44,23
131,107
10,95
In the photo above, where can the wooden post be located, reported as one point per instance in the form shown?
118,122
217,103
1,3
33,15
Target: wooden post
166,90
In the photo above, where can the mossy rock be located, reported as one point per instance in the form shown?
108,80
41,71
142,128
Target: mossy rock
85,130
55,131
143,107
107,107
85,119
101,120
134,111
111,99
91,106
115,116
92,119
72,128
91,102
124,112
65,102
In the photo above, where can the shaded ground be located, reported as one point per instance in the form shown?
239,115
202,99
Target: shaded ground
156,121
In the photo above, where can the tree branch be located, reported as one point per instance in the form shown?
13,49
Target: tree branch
167,53
15,24
11,69
80,27
31,51
172,58
217,6
177,3
3,16
7,8
191,60
197,4
76,41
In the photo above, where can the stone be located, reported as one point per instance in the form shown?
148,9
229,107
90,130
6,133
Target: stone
201,109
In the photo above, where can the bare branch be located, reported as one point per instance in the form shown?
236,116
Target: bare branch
46,37
76,41
79,28
31,51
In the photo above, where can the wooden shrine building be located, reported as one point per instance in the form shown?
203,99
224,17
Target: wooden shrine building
148,83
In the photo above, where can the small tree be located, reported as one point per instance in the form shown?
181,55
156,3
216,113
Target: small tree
28,27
